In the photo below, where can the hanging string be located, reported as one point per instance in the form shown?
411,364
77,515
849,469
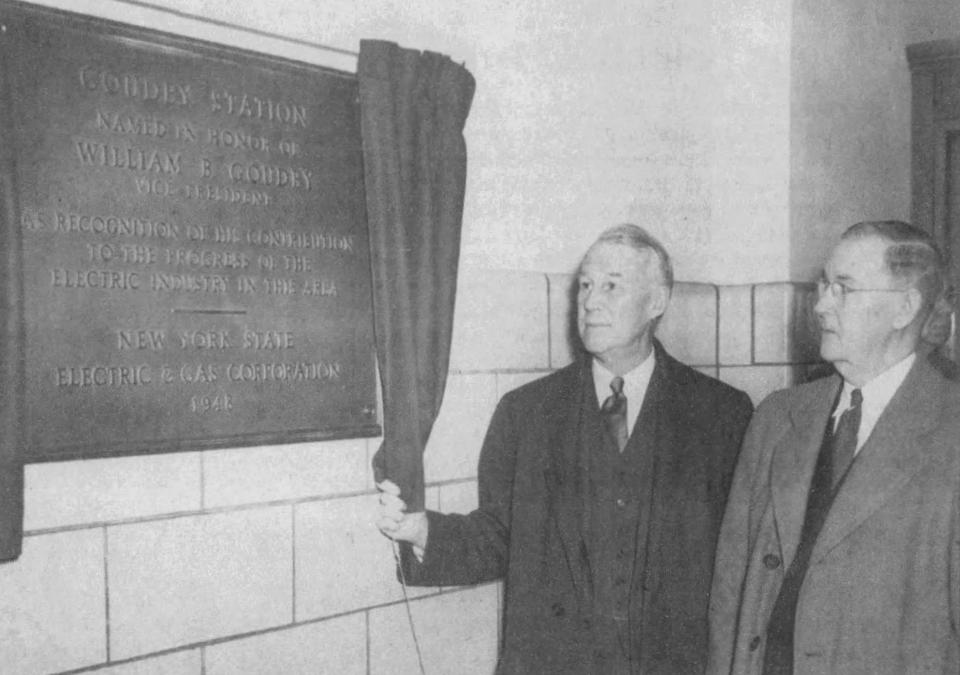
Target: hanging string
406,602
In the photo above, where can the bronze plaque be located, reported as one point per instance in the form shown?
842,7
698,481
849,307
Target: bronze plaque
193,266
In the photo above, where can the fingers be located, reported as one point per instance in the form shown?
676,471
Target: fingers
392,504
394,521
395,527
392,509
388,526
389,487
411,527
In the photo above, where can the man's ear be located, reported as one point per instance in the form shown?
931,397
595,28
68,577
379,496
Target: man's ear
659,299
910,306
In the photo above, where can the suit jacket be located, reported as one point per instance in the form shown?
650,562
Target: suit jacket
882,592
528,528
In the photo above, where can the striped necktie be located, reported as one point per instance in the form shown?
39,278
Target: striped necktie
844,440
614,410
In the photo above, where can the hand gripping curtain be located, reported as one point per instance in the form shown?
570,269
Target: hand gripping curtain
413,107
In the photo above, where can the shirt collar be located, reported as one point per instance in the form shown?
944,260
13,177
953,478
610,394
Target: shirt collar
876,395
635,384
878,391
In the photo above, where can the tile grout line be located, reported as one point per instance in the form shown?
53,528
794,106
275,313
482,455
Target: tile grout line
106,587
236,508
205,644
716,333
293,563
366,615
203,482
753,327
549,324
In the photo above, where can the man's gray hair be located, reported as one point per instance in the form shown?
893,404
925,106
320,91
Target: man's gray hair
639,239
912,256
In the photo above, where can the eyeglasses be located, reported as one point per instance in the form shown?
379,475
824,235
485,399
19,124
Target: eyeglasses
839,291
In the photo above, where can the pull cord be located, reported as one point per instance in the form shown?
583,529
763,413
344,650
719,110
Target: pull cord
406,602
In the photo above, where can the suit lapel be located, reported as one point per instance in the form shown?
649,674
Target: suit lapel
794,459
655,433
894,452
564,474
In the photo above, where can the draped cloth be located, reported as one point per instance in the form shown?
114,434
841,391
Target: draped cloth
11,356
11,465
413,107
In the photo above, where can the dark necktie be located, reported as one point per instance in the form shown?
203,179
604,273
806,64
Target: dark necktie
614,410
845,438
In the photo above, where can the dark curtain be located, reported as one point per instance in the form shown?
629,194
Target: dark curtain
11,501
413,107
11,341
11,466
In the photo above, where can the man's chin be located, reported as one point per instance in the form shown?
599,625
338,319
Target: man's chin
592,340
828,348
593,347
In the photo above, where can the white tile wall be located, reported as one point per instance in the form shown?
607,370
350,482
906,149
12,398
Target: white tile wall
263,474
186,580
457,632
343,562
454,445
688,329
58,494
500,321
784,324
562,319
458,497
53,604
187,662
736,325
336,646
373,444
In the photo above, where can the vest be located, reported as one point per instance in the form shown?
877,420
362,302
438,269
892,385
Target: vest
617,495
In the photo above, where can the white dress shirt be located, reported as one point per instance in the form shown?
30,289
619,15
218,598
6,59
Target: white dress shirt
876,395
635,384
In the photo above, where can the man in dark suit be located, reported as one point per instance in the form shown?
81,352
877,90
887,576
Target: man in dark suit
840,548
601,490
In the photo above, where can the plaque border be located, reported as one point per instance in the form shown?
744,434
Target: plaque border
13,432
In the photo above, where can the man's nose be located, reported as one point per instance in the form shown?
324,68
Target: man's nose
591,299
824,303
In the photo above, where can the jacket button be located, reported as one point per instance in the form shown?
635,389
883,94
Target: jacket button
771,561
754,643
558,609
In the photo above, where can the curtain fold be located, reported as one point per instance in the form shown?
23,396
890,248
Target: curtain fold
11,333
11,503
413,107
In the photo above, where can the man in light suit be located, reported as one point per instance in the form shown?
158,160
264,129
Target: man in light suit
840,546
601,489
